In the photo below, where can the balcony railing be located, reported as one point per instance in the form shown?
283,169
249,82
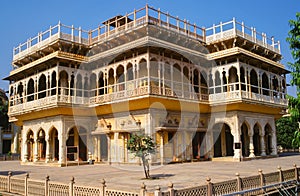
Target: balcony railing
140,17
234,28
242,95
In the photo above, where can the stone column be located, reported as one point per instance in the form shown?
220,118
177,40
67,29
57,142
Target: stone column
274,143
48,154
35,151
251,146
262,145
108,149
24,153
62,149
16,139
237,152
161,148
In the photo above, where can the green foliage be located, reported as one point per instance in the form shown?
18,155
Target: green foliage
294,41
294,102
142,146
286,127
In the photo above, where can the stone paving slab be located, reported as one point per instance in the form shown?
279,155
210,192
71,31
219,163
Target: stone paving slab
130,177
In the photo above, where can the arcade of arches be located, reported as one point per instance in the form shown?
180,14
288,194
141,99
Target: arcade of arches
235,137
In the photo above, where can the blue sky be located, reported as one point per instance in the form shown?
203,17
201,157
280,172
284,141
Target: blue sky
20,20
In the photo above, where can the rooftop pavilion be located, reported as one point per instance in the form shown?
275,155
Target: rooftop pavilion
48,41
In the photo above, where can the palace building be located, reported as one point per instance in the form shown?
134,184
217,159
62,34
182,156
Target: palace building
201,93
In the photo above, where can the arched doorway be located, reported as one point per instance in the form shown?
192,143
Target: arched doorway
268,139
77,138
199,145
256,140
54,144
245,140
30,143
223,140
41,142
103,147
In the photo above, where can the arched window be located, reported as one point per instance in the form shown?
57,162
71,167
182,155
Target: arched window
42,87
275,86
154,68
79,85
111,80
53,83
265,84
30,90
217,82
20,92
143,68
101,84
233,78
224,79
242,79
120,78
63,83
93,85
254,81
196,81
129,72
203,78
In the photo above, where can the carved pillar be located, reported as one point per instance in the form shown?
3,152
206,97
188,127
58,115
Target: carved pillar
35,150
161,147
25,150
274,143
62,149
237,139
262,144
108,149
48,154
251,146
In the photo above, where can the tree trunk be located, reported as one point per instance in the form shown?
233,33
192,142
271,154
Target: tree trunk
146,167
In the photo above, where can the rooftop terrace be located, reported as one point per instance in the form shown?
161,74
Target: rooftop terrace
140,17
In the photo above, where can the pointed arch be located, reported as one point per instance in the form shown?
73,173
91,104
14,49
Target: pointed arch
129,69
268,138
101,83
256,139
53,83
242,78
217,82
223,140
233,78
63,82
53,144
41,144
265,84
77,137
78,85
254,81
93,85
30,90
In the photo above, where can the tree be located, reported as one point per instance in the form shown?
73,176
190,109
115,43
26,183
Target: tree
285,128
294,102
142,146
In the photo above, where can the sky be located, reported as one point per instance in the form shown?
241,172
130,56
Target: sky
20,20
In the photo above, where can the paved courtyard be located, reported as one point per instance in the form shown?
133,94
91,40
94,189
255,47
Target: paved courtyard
129,177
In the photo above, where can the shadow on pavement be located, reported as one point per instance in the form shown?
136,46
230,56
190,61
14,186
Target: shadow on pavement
286,154
5,173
